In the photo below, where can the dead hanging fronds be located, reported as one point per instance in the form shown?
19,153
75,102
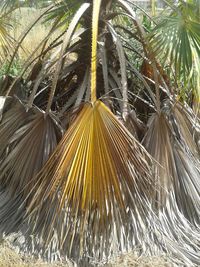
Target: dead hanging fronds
28,135
177,194
28,138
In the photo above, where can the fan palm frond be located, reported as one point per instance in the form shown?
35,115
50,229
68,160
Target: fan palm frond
176,39
97,178
177,197
14,117
28,148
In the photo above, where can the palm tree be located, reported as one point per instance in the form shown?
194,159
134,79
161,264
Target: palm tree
82,184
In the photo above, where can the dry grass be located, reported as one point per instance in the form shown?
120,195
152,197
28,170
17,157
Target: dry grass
10,258
129,260
23,19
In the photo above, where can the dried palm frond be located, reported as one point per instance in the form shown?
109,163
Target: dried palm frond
177,195
32,128
28,148
95,181
27,139
14,116
179,170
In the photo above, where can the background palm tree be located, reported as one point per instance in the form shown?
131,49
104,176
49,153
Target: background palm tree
176,41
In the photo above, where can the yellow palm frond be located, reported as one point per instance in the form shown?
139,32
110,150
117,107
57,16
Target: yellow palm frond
97,178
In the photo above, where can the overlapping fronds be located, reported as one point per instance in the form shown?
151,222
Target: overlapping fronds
112,70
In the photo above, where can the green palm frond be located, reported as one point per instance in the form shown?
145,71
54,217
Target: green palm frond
63,11
176,39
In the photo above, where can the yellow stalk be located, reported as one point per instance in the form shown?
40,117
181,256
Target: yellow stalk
95,20
153,7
